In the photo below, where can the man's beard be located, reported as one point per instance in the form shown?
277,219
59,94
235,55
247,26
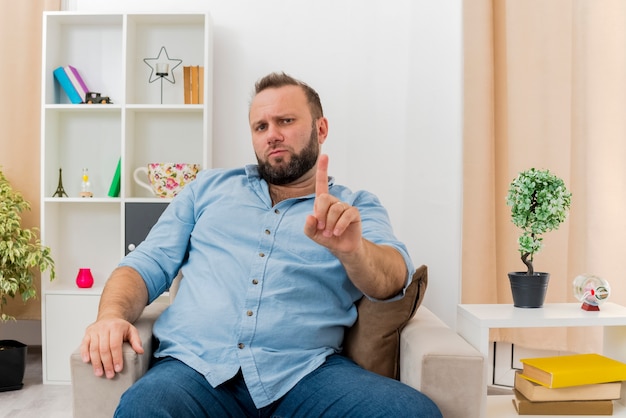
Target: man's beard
297,166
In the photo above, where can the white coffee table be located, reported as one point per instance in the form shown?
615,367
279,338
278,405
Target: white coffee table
475,320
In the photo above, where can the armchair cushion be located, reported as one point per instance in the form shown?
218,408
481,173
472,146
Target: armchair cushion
373,342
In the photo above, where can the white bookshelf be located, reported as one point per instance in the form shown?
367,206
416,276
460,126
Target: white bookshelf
474,321
108,50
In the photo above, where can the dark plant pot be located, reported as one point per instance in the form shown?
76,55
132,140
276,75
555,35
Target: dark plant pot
528,291
12,364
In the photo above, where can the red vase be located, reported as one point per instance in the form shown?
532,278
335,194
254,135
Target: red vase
84,279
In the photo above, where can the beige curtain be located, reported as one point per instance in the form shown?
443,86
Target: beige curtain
545,87
20,98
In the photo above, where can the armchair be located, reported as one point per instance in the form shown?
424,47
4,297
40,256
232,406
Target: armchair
432,358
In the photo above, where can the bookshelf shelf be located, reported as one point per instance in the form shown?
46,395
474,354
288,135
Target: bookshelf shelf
136,129
84,108
168,108
474,321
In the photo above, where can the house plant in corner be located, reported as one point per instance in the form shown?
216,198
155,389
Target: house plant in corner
21,254
539,203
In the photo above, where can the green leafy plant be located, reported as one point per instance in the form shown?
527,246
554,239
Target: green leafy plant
21,252
539,203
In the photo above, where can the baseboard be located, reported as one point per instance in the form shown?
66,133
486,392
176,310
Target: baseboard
25,331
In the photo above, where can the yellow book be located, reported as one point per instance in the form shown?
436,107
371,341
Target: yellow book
573,370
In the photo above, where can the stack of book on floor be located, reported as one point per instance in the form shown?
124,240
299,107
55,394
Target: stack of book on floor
579,384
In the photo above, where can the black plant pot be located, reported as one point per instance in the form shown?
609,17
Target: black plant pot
528,291
12,364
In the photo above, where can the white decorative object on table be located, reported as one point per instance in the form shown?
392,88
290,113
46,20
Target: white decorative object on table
591,291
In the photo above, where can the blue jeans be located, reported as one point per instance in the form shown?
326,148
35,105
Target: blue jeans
338,388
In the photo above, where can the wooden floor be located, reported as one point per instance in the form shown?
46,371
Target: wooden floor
35,399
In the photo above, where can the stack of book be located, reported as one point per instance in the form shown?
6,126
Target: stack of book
579,384
194,84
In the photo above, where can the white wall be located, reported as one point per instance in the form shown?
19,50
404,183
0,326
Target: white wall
390,77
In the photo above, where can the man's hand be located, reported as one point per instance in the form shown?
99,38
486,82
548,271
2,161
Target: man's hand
123,299
102,345
334,224
378,271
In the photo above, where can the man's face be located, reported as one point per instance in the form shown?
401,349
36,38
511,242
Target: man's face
286,140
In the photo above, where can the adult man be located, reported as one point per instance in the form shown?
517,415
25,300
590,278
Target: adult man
273,258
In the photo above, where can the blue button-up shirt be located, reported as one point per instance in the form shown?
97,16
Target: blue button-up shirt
257,293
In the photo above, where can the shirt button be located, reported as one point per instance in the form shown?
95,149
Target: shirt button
261,254
276,211
240,346
267,232
249,313
255,281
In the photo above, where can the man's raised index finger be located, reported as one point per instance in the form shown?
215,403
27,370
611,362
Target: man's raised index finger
321,176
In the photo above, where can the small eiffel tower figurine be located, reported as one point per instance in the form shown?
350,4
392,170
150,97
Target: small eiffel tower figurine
60,191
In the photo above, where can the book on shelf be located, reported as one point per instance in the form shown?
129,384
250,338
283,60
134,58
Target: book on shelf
193,77
66,84
187,84
114,189
573,370
200,85
525,407
195,81
77,81
534,392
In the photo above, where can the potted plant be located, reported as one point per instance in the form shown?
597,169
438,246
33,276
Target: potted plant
539,203
21,254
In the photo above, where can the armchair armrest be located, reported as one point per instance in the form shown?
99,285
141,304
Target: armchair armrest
438,362
96,397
